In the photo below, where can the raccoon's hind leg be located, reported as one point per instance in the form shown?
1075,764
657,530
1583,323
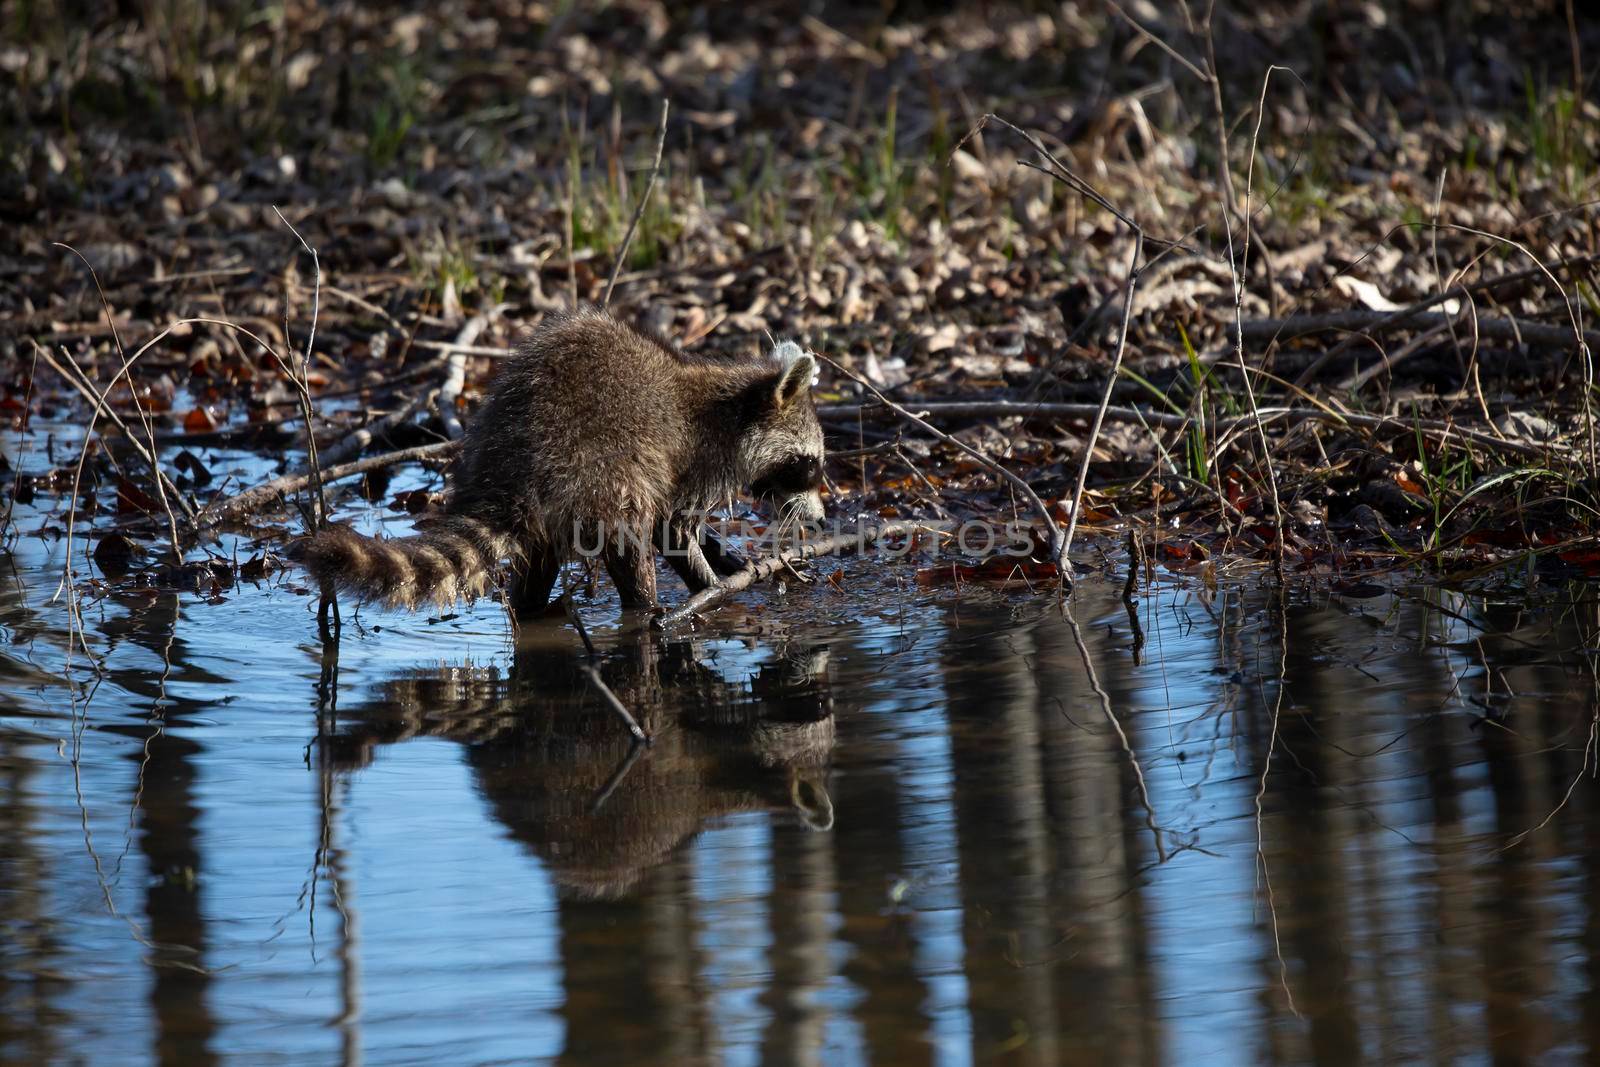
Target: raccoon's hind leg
632,566
530,590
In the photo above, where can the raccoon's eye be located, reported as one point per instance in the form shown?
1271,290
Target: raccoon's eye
795,474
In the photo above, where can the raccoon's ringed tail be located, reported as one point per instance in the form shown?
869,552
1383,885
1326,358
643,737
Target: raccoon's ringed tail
452,557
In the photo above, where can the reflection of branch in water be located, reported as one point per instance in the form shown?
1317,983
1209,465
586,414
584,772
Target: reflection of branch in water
158,726
617,707
331,857
1591,751
606,695
1261,792
1138,631
327,722
80,718
617,776
1127,746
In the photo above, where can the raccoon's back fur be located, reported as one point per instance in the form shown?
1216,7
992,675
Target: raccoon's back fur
590,428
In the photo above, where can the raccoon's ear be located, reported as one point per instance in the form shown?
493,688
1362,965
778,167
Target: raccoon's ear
798,376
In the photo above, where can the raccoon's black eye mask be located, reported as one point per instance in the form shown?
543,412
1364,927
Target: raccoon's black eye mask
796,474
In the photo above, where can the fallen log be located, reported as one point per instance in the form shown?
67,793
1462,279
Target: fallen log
958,409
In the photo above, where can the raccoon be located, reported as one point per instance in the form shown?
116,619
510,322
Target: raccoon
598,434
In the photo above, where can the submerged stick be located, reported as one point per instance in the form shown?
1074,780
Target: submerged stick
857,537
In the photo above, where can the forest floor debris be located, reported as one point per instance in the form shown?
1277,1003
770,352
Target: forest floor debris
1372,298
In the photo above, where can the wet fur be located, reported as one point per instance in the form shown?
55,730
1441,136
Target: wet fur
593,425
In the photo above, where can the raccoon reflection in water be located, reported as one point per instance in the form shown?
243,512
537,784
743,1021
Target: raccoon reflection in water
570,784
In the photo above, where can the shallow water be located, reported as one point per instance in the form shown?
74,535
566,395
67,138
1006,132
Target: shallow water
880,823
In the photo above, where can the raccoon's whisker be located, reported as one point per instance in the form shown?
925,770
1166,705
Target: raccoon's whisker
791,516
786,515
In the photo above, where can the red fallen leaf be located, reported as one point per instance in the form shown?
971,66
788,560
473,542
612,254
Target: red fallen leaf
1498,538
1409,484
200,420
1587,558
130,498
1184,550
1061,511
316,380
11,403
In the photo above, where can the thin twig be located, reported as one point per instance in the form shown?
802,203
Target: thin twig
1067,176
1238,317
638,210
144,416
452,347
1157,41
1105,401
319,511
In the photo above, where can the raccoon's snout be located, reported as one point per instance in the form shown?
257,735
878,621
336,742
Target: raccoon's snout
792,486
807,505
804,506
